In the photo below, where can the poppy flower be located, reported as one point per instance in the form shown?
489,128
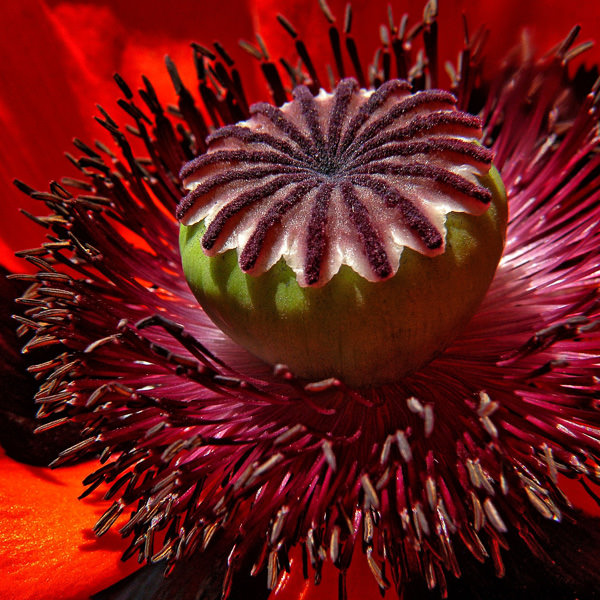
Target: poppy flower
236,476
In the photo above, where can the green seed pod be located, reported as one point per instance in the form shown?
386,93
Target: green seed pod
371,236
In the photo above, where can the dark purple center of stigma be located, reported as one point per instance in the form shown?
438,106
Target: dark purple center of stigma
357,158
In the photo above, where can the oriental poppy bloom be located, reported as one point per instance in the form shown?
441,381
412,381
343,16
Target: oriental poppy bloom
224,471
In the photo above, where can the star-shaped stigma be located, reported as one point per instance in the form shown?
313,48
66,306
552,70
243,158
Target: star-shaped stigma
349,178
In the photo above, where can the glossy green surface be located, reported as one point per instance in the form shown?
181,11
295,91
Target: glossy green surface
364,333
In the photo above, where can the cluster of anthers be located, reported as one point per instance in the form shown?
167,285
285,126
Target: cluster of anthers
214,452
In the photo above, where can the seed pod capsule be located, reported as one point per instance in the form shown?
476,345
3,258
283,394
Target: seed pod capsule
349,234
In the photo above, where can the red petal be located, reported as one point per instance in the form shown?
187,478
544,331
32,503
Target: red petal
57,63
548,20
359,581
48,547
54,73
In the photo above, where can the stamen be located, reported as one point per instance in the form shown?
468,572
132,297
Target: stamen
303,53
334,39
351,48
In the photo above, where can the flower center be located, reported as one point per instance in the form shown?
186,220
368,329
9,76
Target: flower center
351,178
346,235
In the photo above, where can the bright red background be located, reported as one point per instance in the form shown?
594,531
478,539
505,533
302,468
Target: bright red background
58,58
